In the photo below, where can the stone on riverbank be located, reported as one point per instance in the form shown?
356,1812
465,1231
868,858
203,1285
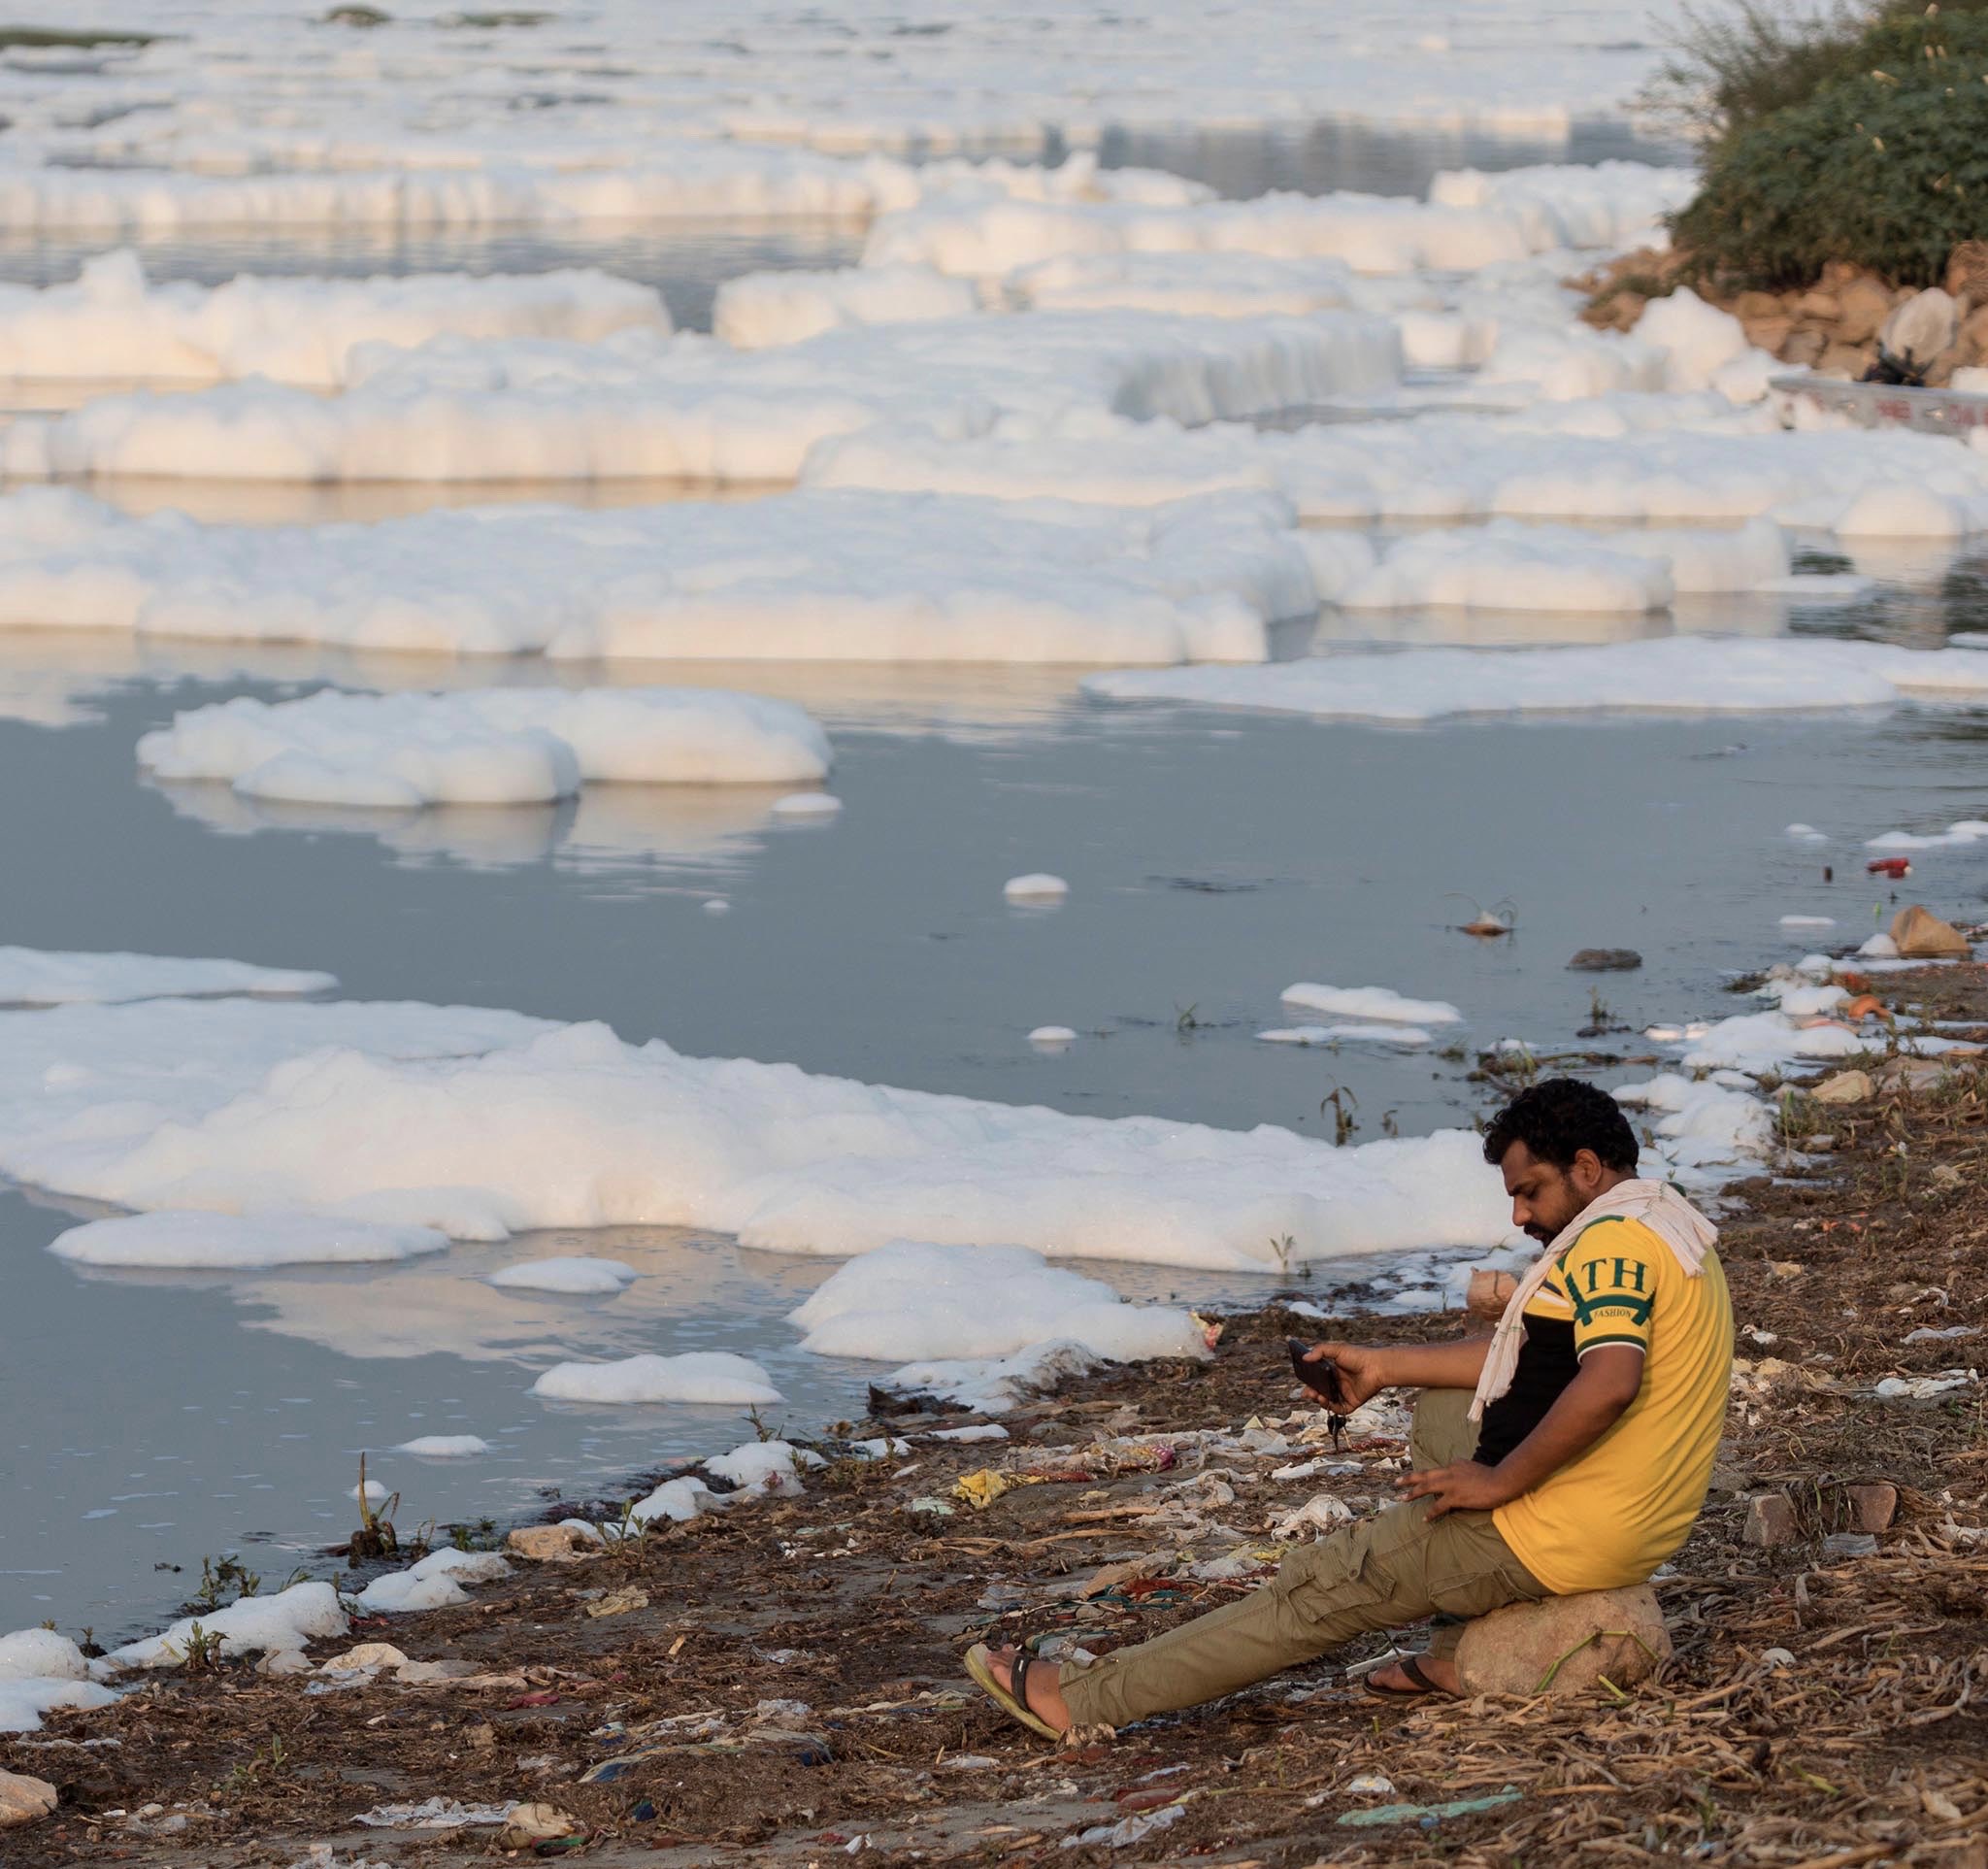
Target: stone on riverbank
23,1799
1921,935
1605,960
1846,1086
1562,1646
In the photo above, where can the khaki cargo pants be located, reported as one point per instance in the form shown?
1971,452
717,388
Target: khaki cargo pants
1379,1574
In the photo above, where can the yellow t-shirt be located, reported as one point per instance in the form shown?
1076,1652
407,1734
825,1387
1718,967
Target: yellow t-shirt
1613,1516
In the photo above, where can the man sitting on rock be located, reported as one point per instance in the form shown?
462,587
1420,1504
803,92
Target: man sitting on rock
1569,1451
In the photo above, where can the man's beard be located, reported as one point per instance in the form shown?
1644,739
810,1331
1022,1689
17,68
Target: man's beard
1546,1235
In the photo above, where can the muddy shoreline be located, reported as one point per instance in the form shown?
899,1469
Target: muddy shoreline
778,1681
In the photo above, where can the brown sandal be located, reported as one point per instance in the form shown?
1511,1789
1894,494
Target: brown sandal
1412,1666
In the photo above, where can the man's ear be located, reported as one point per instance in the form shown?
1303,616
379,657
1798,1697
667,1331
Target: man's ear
1586,1171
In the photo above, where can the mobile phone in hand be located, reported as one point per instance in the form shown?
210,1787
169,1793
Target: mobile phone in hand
1321,1377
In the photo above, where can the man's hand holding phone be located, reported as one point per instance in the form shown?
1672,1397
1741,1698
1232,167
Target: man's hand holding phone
1342,1375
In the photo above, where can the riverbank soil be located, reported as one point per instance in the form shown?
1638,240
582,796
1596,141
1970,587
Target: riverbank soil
780,1682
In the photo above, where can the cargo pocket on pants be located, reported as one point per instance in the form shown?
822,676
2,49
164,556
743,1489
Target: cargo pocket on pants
1337,1575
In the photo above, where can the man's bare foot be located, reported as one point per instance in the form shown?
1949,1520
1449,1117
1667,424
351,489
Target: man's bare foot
1044,1693
1439,1675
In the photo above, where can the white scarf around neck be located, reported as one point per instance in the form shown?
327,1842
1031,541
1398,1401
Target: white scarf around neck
1656,1204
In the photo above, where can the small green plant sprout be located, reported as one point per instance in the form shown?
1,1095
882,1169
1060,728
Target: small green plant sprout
1795,1119
1281,1247
274,1760
1516,1062
1184,1020
762,1428
629,1536
1599,1012
376,1537
201,1651
222,1579
1390,1122
1341,1102
481,1536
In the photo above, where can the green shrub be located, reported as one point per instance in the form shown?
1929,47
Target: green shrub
1729,69
1884,164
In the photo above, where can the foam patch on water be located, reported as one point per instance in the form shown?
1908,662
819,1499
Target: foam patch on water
239,1242
1644,459
480,1124
1505,566
1371,1003
1470,221
113,324
708,1376
1685,674
485,745
815,576
758,310
41,977
1970,830
636,405
911,1300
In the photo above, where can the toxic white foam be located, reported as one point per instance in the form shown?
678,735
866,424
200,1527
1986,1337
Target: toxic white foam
486,746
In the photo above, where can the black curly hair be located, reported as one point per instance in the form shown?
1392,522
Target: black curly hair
1556,1118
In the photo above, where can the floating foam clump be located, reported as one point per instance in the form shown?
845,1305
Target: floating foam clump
445,1447
1371,1003
910,1300
1645,461
1468,223
698,1375
639,406
1703,346
817,576
1189,284
1037,887
40,977
1572,205
1506,568
483,1123
685,181
240,1242
1683,673
1704,1128
485,745
760,310
1969,830
112,323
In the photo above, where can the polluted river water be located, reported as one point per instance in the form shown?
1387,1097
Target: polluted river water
1214,857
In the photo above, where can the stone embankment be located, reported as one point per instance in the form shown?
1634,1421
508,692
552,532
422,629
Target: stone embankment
1831,327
